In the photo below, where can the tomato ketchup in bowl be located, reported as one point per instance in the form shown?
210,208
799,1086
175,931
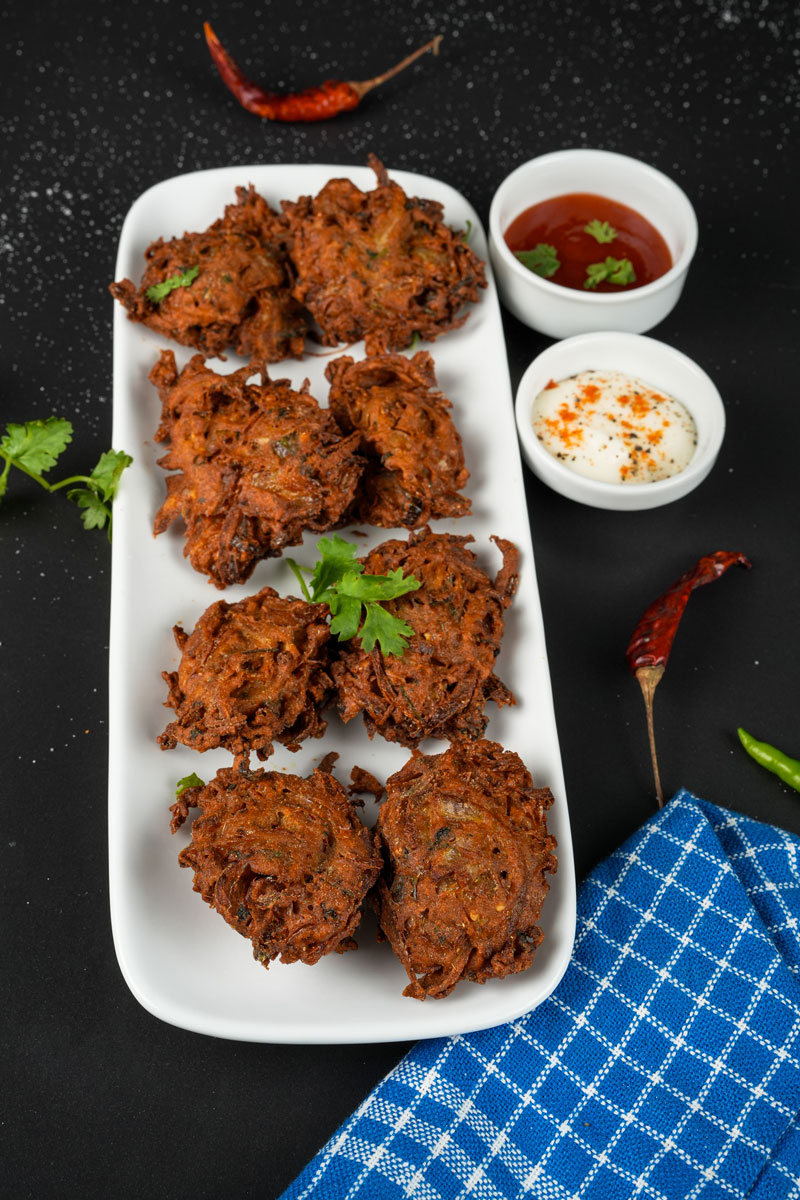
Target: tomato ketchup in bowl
580,233
585,240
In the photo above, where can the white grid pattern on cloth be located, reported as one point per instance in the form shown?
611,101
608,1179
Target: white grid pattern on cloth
341,1143
788,848
617,1050
445,1146
627,951
474,1130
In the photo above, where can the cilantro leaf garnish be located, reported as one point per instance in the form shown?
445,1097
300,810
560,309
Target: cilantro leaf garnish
338,580
158,291
389,632
542,259
106,475
337,558
345,615
95,512
34,447
99,489
613,270
601,231
187,782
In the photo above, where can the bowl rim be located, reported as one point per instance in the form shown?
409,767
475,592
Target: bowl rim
588,298
629,496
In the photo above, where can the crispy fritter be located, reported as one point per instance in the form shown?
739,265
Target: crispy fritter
284,860
415,462
255,465
439,686
241,296
249,673
378,265
467,854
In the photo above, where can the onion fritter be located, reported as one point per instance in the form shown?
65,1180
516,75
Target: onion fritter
415,462
256,466
439,686
467,853
284,860
378,265
241,294
249,673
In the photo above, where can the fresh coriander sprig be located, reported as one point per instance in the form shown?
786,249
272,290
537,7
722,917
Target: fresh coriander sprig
158,291
613,270
34,447
601,231
542,259
338,580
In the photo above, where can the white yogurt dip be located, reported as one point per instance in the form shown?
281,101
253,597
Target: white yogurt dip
614,428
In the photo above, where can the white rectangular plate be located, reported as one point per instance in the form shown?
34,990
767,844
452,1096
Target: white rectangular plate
180,959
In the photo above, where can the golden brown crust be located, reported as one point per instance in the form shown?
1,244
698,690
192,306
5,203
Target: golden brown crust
250,673
241,296
284,860
256,465
379,265
440,685
415,462
361,781
467,853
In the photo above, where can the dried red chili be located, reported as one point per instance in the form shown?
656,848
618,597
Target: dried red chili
651,642
313,104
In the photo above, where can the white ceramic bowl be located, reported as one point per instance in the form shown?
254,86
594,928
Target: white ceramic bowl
563,312
653,362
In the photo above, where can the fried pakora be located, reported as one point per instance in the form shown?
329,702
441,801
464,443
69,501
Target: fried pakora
441,683
415,461
249,673
379,265
255,465
283,859
467,853
229,286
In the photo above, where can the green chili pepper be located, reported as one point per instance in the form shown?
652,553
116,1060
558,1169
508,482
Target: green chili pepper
787,769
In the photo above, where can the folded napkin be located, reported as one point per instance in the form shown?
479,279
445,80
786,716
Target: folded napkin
665,1065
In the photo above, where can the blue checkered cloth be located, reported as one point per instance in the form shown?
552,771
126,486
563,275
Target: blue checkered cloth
665,1066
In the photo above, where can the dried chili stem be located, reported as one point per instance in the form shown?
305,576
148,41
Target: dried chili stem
648,679
367,85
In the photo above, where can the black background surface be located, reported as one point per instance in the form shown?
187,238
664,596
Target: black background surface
99,102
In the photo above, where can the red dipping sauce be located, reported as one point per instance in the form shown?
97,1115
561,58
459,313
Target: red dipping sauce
560,222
